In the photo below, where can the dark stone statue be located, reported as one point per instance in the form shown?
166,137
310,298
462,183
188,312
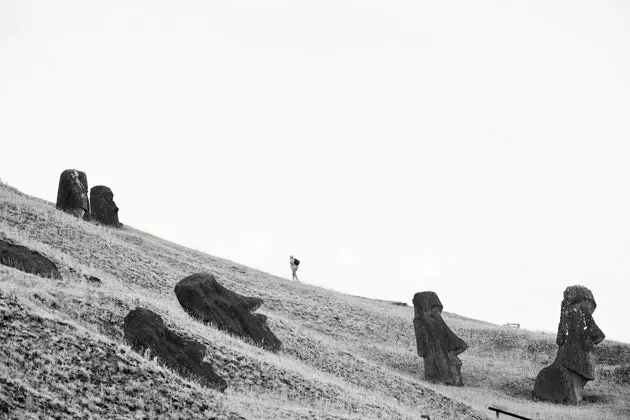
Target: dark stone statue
204,298
104,210
145,330
564,380
437,344
72,195
22,258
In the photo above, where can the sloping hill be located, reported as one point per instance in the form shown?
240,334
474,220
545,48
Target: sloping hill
62,351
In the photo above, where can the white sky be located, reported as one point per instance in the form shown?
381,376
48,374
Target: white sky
477,149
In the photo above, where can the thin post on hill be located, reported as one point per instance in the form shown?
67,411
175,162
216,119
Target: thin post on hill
498,410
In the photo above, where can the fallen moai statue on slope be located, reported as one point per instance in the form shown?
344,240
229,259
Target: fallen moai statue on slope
205,299
145,330
24,259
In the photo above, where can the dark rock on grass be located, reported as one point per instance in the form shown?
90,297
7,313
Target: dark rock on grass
104,210
204,298
436,343
22,258
93,279
564,380
72,195
238,269
145,330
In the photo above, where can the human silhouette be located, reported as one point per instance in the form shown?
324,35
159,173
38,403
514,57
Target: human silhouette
294,262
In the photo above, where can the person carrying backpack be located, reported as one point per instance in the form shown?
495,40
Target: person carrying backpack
294,262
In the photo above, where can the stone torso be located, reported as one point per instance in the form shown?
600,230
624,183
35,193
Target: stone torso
435,341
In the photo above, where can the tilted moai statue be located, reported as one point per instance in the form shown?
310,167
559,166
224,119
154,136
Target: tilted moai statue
437,344
72,195
564,380
104,210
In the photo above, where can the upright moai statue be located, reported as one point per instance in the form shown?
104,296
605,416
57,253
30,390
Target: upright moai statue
437,344
564,380
104,210
72,195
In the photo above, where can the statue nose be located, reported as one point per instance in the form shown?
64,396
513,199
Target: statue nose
598,336
594,333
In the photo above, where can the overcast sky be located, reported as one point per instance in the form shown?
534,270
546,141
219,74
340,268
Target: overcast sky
477,149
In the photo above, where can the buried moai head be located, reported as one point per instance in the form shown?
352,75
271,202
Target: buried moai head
564,380
104,210
72,194
435,341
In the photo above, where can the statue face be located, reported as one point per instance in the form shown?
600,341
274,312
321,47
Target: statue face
104,209
79,190
429,315
589,333
108,201
435,341
427,304
578,335
433,315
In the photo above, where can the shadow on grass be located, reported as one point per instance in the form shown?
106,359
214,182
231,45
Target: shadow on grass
519,387
524,388
597,399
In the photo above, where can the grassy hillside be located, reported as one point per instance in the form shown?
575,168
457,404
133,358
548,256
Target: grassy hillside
62,353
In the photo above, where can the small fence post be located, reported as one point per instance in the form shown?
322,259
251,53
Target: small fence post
516,416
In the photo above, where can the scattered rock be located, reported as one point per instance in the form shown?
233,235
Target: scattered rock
564,380
145,330
240,270
436,343
72,195
399,303
22,258
204,298
104,210
93,279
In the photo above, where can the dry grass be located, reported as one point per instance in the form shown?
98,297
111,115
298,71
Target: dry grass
343,357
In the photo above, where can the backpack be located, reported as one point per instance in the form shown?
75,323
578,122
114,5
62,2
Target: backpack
296,262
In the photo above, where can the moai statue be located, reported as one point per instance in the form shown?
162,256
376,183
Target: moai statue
207,300
104,209
145,330
564,380
72,195
437,344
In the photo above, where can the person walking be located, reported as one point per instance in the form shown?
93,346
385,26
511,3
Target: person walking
294,262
